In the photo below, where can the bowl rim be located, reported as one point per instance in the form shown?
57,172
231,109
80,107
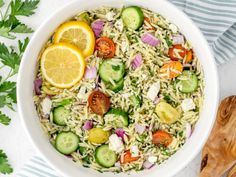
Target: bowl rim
21,74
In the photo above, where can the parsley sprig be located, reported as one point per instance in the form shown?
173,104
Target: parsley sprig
10,56
9,23
5,167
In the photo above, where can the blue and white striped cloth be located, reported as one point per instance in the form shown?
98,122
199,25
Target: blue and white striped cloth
36,167
217,21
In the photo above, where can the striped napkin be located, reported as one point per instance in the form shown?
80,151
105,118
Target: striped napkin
217,21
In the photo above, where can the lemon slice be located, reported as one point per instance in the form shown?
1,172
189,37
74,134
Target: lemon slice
78,33
62,65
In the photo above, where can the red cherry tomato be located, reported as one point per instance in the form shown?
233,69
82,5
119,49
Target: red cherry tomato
177,52
99,102
105,47
161,137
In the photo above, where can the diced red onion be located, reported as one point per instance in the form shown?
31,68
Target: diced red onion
37,86
137,61
69,156
147,165
156,100
88,125
97,27
140,128
120,133
150,39
178,39
187,65
117,164
188,130
90,73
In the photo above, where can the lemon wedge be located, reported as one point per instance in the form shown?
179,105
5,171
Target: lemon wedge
62,65
78,33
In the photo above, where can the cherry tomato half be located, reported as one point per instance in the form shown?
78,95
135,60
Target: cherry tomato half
99,102
189,56
126,157
105,47
161,137
177,52
171,70
147,21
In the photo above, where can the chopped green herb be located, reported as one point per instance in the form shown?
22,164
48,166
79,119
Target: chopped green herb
168,41
116,67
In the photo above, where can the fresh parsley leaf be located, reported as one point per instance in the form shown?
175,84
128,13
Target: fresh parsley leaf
2,101
5,167
8,100
5,32
22,28
10,24
17,26
9,57
12,96
3,48
7,86
13,25
1,3
22,45
5,120
24,8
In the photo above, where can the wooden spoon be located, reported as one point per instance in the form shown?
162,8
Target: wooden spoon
219,153
232,172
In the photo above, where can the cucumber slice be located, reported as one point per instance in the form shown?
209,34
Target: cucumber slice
60,114
111,69
84,17
132,17
121,118
187,82
135,100
63,103
67,142
105,157
117,87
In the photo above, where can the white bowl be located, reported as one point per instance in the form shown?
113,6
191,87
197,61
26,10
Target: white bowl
27,71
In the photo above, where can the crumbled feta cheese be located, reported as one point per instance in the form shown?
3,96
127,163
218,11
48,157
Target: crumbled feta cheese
115,143
174,144
173,28
134,151
126,95
153,90
119,25
46,105
110,16
82,93
144,76
187,104
152,159
124,46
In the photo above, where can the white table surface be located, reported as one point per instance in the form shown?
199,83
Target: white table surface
13,138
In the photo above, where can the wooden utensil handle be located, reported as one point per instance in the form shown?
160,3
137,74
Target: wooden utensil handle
232,172
219,153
